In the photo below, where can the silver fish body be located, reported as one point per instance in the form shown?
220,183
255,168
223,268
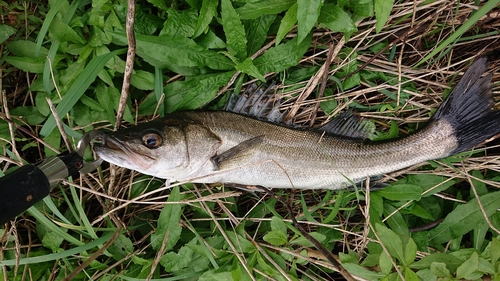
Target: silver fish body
211,147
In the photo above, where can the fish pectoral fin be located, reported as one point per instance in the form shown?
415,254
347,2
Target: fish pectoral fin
236,152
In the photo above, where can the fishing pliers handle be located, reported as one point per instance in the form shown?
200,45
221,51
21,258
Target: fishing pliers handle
27,185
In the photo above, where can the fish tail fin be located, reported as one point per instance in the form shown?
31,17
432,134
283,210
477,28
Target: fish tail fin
470,108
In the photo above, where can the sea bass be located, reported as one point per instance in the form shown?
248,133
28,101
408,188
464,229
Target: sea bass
224,147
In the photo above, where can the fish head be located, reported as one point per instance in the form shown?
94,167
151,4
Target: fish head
165,148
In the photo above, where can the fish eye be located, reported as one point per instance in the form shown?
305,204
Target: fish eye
152,140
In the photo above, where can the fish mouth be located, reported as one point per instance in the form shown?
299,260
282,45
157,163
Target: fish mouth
117,152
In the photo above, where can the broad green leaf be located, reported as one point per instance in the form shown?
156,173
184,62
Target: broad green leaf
336,19
276,238
177,261
54,9
383,10
362,8
249,68
22,48
164,52
6,32
468,267
207,13
426,182
287,23
362,272
241,244
253,10
278,224
159,4
143,80
30,65
234,30
179,23
401,192
64,33
121,247
303,241
257,30
495,250
168,222
410,252
391,241
281,57
385,263
464,218
210,41
411,276
194,92
439,269
30,114
78,88
41,103
307,16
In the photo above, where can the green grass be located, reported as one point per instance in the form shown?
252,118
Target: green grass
117,224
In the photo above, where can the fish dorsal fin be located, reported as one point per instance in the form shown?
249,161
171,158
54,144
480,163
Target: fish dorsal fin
258,102
239,151
349,125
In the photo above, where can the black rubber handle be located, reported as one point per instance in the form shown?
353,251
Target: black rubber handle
20,190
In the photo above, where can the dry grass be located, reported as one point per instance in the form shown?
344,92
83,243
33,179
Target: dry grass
415,32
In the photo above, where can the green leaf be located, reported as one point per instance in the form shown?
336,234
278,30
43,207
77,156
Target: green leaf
22,48
177,261
276,238
278,224
31,65
159,4
336,19
307,16
385,263
64,33
362,272
168,223
253,10
143,80
194,92
464,218
257,30
78,88
41,103
401,192
234,30
241,244
303,241
121,247
207,13
495,250
410,252
6,32
439,269
468,267
383,10
362,8
391,241
249,68
281,57
451,261
287,23
28,113
166,52
180,23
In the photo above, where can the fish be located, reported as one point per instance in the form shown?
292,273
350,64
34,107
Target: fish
234,149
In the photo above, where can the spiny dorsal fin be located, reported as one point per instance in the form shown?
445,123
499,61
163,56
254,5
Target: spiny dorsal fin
259,102
349,125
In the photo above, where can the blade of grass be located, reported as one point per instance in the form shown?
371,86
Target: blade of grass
56,256
79,87
462,29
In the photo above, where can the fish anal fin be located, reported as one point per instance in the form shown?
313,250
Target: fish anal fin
239,151
349,125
